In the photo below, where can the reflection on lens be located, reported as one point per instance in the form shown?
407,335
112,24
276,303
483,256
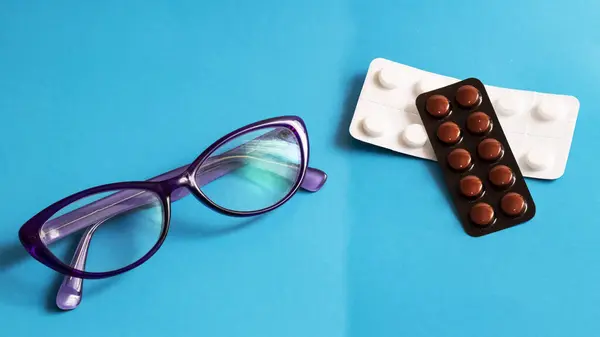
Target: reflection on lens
253,171
123,226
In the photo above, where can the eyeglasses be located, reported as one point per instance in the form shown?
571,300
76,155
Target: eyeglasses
117,227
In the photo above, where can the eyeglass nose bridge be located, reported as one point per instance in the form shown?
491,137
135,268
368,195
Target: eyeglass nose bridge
178,187
171,185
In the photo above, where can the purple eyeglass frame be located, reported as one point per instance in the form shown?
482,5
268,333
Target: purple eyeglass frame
168,187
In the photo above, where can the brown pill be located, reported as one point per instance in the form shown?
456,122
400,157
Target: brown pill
501,176
513,204
459,159
467,96
449,133
482,214
489,149
478,123
471,186
438,106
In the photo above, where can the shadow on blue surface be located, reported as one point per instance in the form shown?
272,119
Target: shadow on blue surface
436,174
15,287
12,254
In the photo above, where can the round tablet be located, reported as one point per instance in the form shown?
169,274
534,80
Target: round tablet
513,204
539,159
414,136
490,149
478,123
449,133
411,108
501,176
549,110
468,96
471,186
508,106
438,106
374,126
388,78
482,214
459,159
424,85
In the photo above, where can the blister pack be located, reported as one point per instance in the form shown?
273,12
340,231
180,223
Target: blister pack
538,126
478,165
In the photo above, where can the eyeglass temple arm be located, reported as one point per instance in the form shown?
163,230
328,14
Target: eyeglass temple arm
71,289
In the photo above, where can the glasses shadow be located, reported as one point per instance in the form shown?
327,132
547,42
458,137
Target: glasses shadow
12,254
17,289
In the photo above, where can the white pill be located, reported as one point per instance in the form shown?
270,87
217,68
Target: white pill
374,126
411,108
388,78
549,110
414,135
424,85
539,159
508,106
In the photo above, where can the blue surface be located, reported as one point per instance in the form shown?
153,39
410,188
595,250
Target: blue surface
96,92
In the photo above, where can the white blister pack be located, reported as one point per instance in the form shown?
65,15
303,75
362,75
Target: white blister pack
539,127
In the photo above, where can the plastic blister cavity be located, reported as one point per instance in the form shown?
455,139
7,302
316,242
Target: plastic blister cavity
414,136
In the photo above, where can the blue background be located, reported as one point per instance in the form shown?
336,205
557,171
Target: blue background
97,92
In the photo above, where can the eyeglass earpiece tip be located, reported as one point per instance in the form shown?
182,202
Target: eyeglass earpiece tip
67,301
67,297
314,180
